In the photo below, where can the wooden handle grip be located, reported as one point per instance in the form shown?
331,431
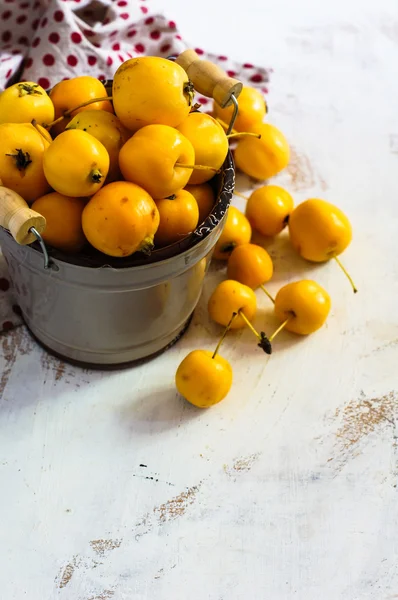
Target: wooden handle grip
208,79
18,218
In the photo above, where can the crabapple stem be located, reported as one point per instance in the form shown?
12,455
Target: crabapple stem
227,328
267,293
61,118
224,124
240,195
282,326
197,167
250,326
243,133
68,112
263,341
354,287
34,123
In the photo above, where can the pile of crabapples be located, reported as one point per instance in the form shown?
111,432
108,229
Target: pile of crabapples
318,231
122,173
131,171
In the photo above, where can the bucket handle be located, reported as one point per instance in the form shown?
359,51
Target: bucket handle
24,224
209,79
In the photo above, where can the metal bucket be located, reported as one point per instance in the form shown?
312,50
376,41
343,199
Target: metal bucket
109,312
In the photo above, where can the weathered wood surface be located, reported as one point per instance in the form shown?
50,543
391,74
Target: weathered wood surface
114,488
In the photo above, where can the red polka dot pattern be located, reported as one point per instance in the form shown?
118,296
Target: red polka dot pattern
54,37
48,60
44,82
76,37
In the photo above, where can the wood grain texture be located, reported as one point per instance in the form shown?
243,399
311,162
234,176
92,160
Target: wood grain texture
114,488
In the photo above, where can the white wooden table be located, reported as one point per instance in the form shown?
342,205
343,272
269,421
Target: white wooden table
114,488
